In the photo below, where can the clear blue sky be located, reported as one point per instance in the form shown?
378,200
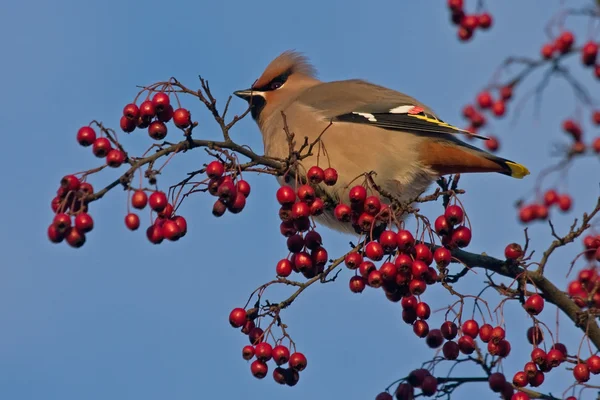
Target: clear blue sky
123,319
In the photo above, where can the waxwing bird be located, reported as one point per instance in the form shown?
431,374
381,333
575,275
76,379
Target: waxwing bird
364,127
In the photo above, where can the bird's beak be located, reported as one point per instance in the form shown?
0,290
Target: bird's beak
243,94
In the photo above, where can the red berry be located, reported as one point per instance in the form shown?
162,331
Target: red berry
535,335
342,212
506,92
581,372
132,221
115,158
331,176
86,136
147,110
154,233
405,240
493,144
534,304
357,284
589,53
496,382
454,214
466,344
286,195
317,207
161,101
449,330
499,108
171,230
74,237
54,235
441,226
484,99
357,195
513,251
461,236
284,268
442,256
468,111
127,125
548,50
469,22
455,5
131,111
555,357
306,193
300,210
434,338
450,350
486,332
593,364
565,41
101,147
374,251
298,361
255,335
564,202
62,222
259,369
84,222
421,328
215,169
158,201
596,145
498,334
281,354
384,396
139,199
353,260
157,130
182,118
470,328
248,353
423,310
573,128
315,175
375,279
485,21
237,317
263,351
423,253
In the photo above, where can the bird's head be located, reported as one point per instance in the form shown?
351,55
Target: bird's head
283,78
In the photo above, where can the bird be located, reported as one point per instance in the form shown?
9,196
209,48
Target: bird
364,128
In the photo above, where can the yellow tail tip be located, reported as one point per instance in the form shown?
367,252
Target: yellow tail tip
517,170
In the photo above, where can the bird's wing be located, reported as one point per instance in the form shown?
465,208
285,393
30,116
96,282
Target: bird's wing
360,102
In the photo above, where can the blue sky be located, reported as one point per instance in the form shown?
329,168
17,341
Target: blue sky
123,319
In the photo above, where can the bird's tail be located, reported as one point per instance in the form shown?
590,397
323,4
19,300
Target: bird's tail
454,156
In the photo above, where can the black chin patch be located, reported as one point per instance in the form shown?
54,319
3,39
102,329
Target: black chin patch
257,103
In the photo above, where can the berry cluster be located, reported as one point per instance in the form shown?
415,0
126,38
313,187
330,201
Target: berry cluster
307,254
564,44
584,289
540,210
496,107
71,221
263,352
467,23
101,146
167,225
231,190
154,115
575,132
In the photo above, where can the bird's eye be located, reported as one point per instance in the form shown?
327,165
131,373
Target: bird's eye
276,85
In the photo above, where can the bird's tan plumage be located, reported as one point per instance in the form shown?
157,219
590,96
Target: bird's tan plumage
371,130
